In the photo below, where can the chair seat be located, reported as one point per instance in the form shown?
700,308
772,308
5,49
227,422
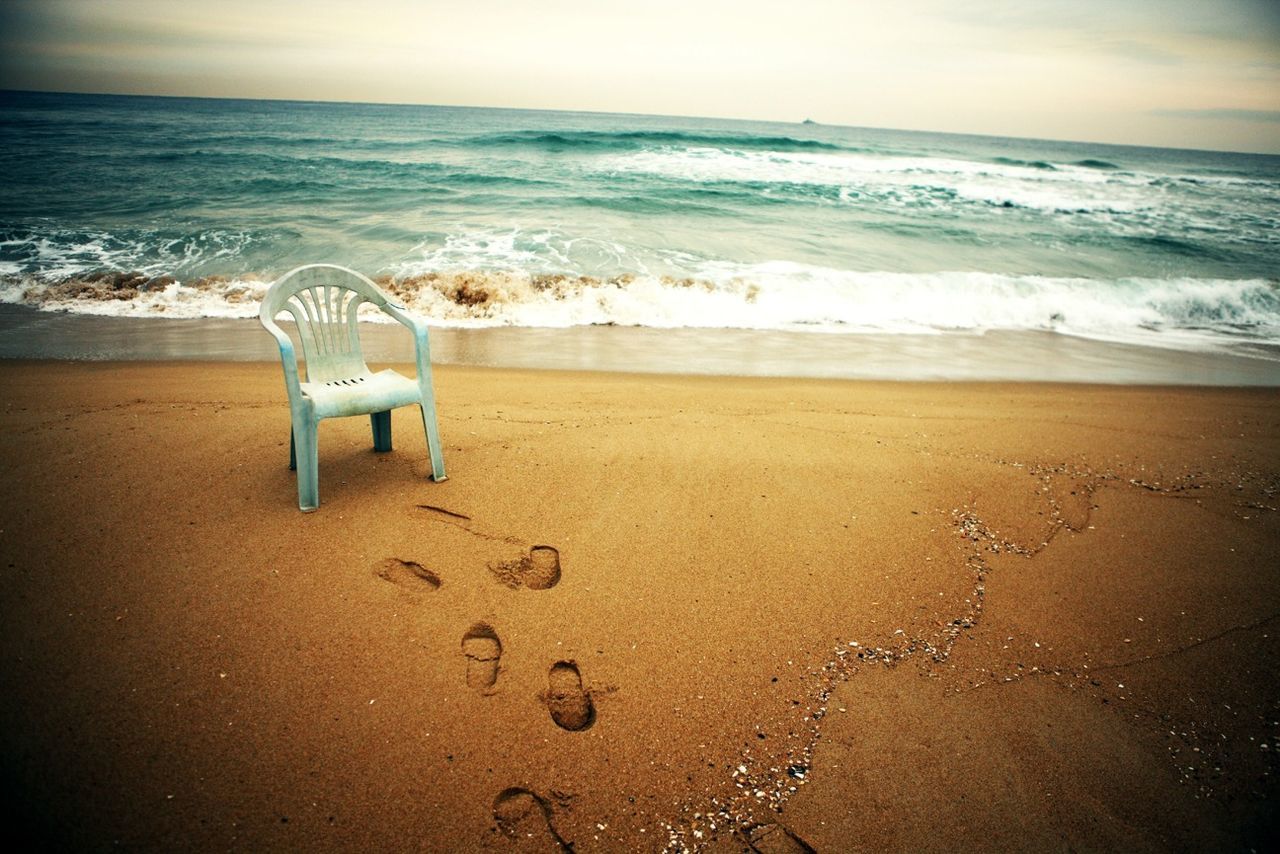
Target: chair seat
362,394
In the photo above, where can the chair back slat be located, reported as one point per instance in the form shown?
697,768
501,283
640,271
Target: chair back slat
324,302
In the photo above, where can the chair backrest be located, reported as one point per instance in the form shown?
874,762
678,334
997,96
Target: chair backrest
324,300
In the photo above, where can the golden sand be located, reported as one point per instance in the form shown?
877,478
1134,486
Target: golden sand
644,611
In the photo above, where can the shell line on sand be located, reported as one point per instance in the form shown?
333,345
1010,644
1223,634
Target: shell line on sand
758,794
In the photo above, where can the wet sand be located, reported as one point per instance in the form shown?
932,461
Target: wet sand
1025,356
644,611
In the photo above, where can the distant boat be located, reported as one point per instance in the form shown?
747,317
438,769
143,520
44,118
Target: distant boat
808,122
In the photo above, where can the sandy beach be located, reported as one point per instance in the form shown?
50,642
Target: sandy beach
862,432
644,611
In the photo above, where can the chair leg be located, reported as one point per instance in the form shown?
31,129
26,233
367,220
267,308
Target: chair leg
293,452
309,467
433,443
381,422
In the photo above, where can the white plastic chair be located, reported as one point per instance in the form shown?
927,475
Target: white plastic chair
323,300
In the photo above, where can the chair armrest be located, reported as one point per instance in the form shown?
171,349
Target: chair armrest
422,354
421,341
289,359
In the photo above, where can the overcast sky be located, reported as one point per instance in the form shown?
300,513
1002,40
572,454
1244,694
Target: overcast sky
1185,73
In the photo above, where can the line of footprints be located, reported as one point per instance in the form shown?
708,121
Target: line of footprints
566,698
568,701
521,812
516,810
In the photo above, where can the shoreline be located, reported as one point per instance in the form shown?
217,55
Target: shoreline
887,616
997,356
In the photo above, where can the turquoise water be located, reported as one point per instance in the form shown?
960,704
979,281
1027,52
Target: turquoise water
483,217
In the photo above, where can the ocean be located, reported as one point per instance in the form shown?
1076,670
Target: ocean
188,208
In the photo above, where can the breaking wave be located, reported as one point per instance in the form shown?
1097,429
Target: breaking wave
773,295
628,140
909,182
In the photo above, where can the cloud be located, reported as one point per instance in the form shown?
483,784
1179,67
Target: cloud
1139,51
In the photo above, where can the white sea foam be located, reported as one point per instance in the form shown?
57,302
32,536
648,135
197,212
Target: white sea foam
62,252
537,250
1064,187
779,295
202,298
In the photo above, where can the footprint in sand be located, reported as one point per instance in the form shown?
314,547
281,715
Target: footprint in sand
538,570
569,703
407,573
776,839
521,813
483,651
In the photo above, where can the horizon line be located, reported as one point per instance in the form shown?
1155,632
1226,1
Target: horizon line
802,122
